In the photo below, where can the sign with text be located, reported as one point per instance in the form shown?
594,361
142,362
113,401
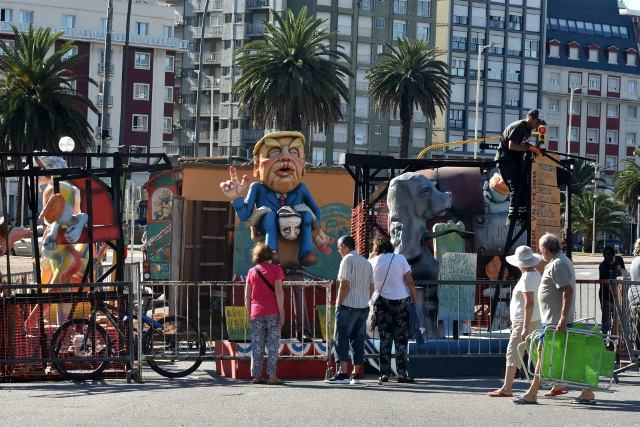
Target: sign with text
238,323
545,200
457,302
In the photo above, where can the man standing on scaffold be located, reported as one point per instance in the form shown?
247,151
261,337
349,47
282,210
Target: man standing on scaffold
511,161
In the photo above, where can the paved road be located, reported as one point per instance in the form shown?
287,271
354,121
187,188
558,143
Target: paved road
204,399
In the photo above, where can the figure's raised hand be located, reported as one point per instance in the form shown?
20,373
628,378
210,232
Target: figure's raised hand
233,188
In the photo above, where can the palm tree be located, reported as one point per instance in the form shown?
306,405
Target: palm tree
582,177
292,76
39,104
408,76
609,217
627,185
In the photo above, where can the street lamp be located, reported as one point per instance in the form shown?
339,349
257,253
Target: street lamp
572,90
481,48
593,221
211,81
66,144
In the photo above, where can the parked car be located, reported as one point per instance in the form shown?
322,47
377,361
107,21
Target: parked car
616,244
24,247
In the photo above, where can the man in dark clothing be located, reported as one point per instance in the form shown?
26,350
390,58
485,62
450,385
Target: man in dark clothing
611,267
511,160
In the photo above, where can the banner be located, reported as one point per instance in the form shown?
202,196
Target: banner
238,323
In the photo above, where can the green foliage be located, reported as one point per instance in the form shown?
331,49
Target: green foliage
409,76
610,217
292,76
39,104
627,185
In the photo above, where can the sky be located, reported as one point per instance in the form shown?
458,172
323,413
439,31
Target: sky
632,4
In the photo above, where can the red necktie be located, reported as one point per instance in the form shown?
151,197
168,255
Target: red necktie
283,200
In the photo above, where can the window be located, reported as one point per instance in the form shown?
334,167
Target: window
554,79
142,28
575,107
612,56
379,49
168,94
26,17
593,109
361,134
632,87
460,14
552,133
496,19
68,21
514,43
478,15
612,137
594,82
237,44
235,124
593,135
554,105
169,62
459,40
344,25
141,91
143,61
531,48
400,7
419,137
103,25
337,154
167,32
512,98
575,134
365,23
613,111
613,84
575,80
458,67
140,123
574,53
394,136
593,54
423,8
6,15
554,51
318,155
513,72
362,106
344,47
377,129
631,58
167,125
611,162
631,139
380,22
494,69
228,18
533,22
515,21
346,4
422,32
399,29
340,132
632,112
70,53
456,118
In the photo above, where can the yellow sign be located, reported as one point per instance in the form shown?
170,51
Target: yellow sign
238,323
322,317
545,200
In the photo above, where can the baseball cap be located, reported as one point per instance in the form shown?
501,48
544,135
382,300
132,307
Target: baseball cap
535,113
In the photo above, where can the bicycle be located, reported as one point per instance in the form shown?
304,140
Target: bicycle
171,345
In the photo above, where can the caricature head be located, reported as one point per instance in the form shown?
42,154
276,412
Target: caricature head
289,223
278,160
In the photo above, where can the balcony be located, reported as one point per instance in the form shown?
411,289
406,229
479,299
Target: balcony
172,150
258,4
99,99
101,69
198,6
209,58
462,20
205,109
255,29
209,31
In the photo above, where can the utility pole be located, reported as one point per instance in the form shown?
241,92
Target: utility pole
125,69
200,60
106,87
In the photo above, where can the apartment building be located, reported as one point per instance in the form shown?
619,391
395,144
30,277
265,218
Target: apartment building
507,36
148,103
591,50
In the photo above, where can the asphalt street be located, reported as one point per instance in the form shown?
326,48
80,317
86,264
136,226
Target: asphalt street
205,399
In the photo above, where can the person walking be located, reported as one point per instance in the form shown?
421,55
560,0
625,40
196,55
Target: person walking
524,310
611,268
264,300
633,295
514,143
557,300
394,284
355,286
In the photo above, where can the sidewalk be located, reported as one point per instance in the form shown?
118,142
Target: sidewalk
581,258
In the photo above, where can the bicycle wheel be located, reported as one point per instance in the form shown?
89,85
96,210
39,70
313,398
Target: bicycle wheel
175,349
71,340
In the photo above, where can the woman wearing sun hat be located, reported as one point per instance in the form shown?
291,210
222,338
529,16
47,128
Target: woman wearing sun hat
525,314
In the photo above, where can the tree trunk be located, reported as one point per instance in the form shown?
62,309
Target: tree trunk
406,115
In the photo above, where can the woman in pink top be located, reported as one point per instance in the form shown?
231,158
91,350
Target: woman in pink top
264,300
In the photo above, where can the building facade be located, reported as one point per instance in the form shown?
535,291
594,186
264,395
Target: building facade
591,50
147,107
508,33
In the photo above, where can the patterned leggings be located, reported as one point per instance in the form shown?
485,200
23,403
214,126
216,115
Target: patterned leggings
264,331
393,326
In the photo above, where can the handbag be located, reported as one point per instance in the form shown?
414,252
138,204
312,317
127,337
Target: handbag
372,318
264,279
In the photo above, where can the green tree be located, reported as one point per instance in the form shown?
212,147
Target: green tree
626,187
292,76
610,217
582,177
409,76
39,104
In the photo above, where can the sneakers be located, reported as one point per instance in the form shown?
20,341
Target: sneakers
338,378
355,379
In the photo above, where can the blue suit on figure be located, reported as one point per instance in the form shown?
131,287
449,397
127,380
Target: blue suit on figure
259,195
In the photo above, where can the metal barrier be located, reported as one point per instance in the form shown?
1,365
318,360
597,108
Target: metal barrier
214,313
45,331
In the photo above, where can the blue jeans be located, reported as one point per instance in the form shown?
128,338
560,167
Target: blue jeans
351,325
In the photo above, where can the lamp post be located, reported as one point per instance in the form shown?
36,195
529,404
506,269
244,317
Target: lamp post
638,221
572,90
106,88
66,144
593,221
200,60
211,80
481,48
